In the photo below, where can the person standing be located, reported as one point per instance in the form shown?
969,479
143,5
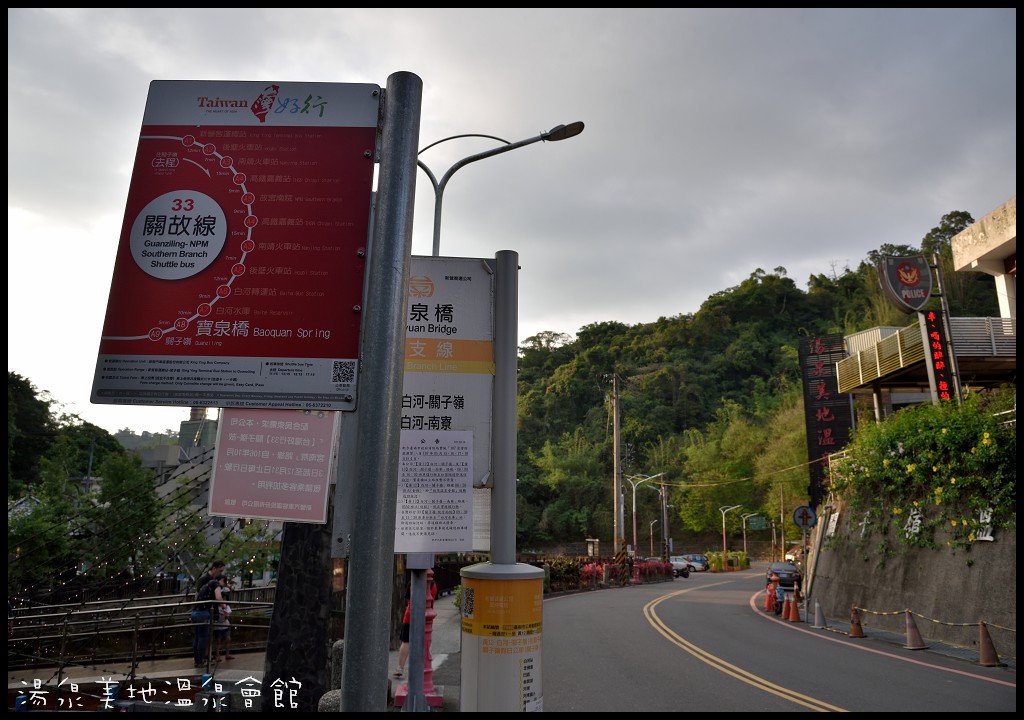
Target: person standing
201,613
222,625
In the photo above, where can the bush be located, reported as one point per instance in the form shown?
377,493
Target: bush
949,464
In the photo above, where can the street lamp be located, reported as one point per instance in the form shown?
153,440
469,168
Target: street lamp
636,481
652,536
745,518
725,559
559,132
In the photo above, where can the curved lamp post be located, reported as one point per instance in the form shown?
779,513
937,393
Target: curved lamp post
559,132
725,559
636,481
652,536
746,517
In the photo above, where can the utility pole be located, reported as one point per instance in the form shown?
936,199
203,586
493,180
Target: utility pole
617,469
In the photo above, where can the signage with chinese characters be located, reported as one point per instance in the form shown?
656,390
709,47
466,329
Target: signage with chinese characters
937,359
238,279
435,492
827,412
273,464
449,351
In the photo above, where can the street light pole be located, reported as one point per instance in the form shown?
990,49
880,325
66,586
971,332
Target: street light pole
725,557
652,536
559,132
745,518
635,483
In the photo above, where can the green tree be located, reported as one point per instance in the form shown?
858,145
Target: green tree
31,430
124,519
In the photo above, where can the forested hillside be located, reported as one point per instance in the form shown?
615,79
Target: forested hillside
713,400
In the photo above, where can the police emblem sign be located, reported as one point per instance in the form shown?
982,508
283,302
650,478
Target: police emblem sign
906,281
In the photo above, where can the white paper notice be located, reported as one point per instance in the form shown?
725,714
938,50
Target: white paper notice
435,492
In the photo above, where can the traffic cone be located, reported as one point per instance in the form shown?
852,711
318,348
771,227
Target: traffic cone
785,606
819,617
914,641
856,631
986,650
794,611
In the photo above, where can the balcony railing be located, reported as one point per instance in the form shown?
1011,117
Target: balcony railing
971,338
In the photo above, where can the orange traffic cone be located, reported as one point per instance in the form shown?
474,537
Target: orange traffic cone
785,606
914,641
794,611
986,650
856,631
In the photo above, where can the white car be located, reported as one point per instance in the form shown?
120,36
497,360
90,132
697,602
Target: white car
698,562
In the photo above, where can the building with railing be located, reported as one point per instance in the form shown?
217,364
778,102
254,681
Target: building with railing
888,365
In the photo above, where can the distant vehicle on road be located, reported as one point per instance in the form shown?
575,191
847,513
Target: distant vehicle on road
699,562
680,566
789,574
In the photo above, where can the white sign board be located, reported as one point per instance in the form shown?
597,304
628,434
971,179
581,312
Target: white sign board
449,351
435,492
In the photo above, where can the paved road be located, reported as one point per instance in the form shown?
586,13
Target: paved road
697,644
703,644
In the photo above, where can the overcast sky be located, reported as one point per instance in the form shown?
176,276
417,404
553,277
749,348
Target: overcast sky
717,142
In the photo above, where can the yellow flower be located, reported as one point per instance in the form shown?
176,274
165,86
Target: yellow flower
885,462
952,481
974,450
897,511
971,537
934,469
938,500
911,467
938,490
945,430
953,523
987,440
915,503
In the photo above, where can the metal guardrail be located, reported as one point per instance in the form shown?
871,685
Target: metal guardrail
145,629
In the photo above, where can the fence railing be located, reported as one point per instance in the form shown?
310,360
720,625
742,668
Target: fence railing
138,629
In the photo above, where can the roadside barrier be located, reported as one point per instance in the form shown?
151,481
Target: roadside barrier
914,641
987,655
986,650
794,610
856,631
819,617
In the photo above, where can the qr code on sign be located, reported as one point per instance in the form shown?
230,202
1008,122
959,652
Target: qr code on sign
344,371
467,602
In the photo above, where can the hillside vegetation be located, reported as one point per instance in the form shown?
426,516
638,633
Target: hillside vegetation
711,401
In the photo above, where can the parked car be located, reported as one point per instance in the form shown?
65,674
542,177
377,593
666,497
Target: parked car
680,567
698,562
789,574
